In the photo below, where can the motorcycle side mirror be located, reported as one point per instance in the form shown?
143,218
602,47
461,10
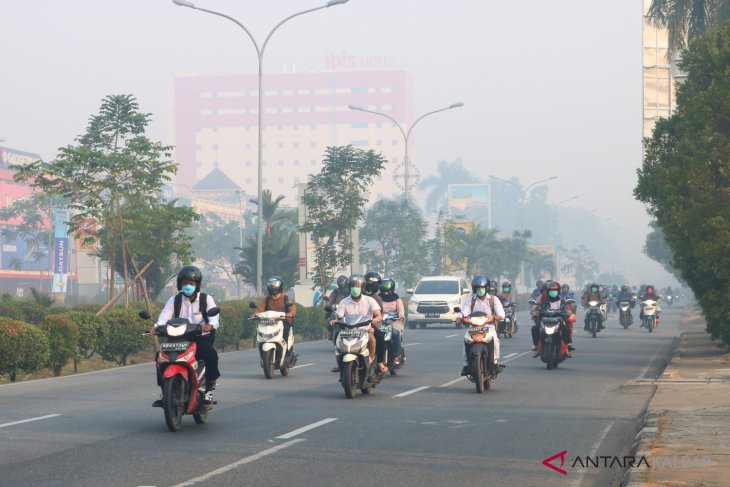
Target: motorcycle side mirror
252,305
409,291
329,308
457,309
532,302
145,315
214,311
325,298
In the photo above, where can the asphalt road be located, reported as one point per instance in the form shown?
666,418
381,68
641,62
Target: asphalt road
424,427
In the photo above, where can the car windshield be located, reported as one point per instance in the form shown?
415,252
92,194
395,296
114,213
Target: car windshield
437,287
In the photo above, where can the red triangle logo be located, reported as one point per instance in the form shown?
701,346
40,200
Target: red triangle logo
561,455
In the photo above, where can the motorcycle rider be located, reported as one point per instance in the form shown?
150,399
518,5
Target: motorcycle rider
185,304
360,304
372,287
480,300
341,292
553,302
538,289
566,293
507,295
649,294
277,300
593,294
392,303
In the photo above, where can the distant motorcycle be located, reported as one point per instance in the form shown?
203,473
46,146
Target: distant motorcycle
387,328
594,317
625,317
650,308
551,345
669,299
508,326
183,377
273,349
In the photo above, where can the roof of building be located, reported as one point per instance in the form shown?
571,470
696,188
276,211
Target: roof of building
216,180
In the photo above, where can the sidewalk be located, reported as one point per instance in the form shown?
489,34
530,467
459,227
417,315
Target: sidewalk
686,435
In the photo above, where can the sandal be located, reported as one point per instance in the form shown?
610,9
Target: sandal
335,369
383,369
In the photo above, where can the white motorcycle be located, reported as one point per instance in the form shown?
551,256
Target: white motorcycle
271,344
650,309
625,317
480,350
353,357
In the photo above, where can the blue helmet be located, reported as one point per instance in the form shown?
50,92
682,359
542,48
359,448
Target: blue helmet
479,281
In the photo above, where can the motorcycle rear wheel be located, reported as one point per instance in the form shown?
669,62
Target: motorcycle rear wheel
173,401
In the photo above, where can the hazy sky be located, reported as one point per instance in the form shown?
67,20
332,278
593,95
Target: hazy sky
550,87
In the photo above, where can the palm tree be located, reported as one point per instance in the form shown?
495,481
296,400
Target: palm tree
438,186
687,19
475,250
269,208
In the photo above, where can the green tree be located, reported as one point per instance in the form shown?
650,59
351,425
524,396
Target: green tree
94,332
437,186
114,165
686,20
41,298
398,230
685,178
280,255
656,248
126,329
334,201
269,208
473,250
33,213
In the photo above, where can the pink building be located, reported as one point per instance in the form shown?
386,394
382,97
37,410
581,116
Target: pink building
216,121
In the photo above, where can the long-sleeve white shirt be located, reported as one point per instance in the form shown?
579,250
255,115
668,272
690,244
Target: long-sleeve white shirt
189,310
482,304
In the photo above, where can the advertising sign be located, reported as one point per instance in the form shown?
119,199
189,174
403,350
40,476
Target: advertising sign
470,202
61,251
12,156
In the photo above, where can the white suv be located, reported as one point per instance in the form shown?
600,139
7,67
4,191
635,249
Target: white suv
434,299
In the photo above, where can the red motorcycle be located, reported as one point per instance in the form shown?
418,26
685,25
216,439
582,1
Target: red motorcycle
182,376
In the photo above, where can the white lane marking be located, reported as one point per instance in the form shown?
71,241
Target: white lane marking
412,344
594,448
303,365
452,382
240,462
454,335
301,430
508,358
412,391
29,420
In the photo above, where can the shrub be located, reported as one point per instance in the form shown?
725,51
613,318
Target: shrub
125,335
93,334
63,337
8,309
230,331
33,313
87,307
23,347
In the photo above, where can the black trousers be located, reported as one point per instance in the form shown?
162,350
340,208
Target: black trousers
206,351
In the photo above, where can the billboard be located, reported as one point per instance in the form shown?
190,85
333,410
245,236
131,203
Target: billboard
13,156
61,251
470,202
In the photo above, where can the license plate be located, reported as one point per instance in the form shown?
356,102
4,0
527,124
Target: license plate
432,315
349,333
174,346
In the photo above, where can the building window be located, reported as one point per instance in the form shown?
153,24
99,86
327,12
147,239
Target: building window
280,162
394,142
359,125
263,145
296,180
215,130
313,126
280,145
198,164
296,162
248,163
248,180
295,145
295,127
281,180
313,144
215,146
360,143
248,146
378,142
281,127
313,162
263,163
215,163
198,147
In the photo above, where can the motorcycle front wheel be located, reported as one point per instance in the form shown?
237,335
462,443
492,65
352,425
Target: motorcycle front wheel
479,373
268,360
349,379
173,401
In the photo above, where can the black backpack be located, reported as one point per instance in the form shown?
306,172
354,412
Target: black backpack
203,305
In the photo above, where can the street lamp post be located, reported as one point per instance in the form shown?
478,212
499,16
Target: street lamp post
406,136
524,194
239,278
260,53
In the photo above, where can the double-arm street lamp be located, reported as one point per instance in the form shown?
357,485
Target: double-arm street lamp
260,51
406,136
524,194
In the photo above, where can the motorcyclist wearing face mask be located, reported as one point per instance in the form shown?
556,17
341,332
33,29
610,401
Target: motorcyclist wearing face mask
507,295
360,304
566,293
277,300
189,306
491,305
649,293
392,303
593,293
555,302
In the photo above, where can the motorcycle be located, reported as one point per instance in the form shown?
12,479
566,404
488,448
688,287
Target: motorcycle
650,308
357,370
669,299
479,353
551,346
625,317
273,349
594,317
508,326
183,377
387,328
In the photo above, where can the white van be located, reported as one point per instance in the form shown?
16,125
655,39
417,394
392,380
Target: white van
434,298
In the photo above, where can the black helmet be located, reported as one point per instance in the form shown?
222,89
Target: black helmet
342,282
539,283
624,288
492,288
506,287
565,288
553,286
356,280
387,286
372,283
274,285
479,281
189,273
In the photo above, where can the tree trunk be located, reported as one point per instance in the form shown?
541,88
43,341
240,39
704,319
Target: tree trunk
123,240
